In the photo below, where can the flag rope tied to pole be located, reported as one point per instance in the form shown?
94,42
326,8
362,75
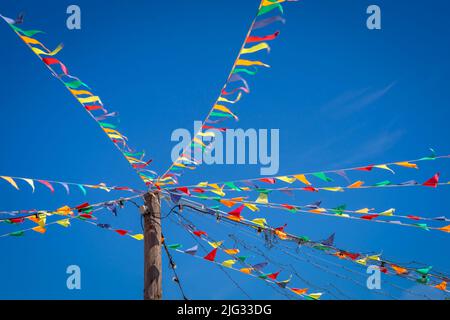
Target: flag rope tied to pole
364,214
421,275
91,102
323,176
32,182
232,91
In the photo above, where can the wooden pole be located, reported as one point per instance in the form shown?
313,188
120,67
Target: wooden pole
152,246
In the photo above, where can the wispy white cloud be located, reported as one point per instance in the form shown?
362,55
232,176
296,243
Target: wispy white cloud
353,101
378,144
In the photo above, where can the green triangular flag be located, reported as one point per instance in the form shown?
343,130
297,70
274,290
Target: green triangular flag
322,176
424,271
174,246
340,209
17,234
382,183
232,186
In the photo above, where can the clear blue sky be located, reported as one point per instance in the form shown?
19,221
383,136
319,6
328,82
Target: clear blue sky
340,94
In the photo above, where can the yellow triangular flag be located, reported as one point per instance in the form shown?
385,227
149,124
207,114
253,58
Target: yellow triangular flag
138,236
262,198
228,263
334,189
389,212
385,167
64,222
11,181
362,261
251,207
215,244
286,179
260,222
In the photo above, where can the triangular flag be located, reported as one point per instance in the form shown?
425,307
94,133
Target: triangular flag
302,178
215,244
262,198
121,232
211,256
424,271
407,165
138,236
385,167
229,263
267,180
231,251
260,221
192,251
442,286
445,229
174,246
30,182
314,296
16,234
11,181
322,176
251,206
237,212
39,229
389,212
432,182
299,291
355,185
286,179
47,184
399,270
246,270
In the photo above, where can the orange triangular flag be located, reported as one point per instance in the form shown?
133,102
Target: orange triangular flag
442,286
357,184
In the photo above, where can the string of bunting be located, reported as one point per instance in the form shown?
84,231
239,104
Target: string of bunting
49,184
111,205
256,41
420,275
255,270
91,103
320,176
84,212
364,214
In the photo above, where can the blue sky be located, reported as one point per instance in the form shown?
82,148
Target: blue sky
341,95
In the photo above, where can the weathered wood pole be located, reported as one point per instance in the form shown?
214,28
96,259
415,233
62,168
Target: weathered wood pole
152,246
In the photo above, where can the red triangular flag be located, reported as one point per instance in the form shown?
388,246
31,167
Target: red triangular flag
184,190
369,216
432,182
368,168
237,212
211,256
121,232
268,180
199,233
273,276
